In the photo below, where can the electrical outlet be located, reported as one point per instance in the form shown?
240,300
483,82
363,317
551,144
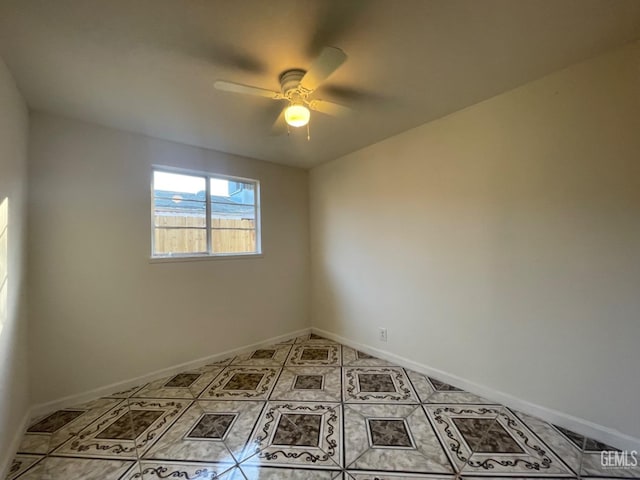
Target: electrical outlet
382,334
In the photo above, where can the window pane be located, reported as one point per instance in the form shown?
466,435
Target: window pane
231,191
233,223
180,240
180,214
230,211
233,241
178,183
179,201
179,204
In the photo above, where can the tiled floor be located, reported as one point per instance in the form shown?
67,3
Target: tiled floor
307,409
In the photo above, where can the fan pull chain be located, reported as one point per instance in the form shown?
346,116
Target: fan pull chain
308,132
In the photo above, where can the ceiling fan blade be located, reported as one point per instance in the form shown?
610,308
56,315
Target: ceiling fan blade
229,56
329,108
335,20
279,127
246,89
351,95
322,67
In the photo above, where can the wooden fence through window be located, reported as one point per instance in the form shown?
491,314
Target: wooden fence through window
187,234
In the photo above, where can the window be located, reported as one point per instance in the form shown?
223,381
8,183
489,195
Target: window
198,214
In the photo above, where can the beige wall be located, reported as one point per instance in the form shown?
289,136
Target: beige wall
500,244
101,312
14,391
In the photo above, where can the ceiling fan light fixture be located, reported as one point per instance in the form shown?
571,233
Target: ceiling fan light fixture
297,115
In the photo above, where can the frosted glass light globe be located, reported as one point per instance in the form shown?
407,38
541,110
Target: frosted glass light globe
297,115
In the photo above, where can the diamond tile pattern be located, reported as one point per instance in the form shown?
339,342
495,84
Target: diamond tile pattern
182,380
315,354
302,430
308,382
263,354
55,421
474,431
130,425
389,433
376,382
212,426
303,409
244,381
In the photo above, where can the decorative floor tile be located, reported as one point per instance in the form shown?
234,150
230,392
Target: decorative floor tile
308,408
389,432
184,470
21,463
302,338
270,473
48,432
568,449
461,427
55,421
318,355
221,363
592,464
308,384
126,431
189,384
297,435
242,383
511,477
59,468
595,452
127,393
212,431
485,440
431,390
353,475
273,356
314,338
289,341
377,385
356,358
393,438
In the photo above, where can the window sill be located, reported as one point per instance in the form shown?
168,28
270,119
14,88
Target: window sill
199,258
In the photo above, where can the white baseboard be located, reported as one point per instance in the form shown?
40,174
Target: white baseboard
48,407
579,425
7,457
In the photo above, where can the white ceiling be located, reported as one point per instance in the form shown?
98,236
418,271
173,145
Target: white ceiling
149,65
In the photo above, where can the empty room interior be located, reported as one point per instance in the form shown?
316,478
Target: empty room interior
319,239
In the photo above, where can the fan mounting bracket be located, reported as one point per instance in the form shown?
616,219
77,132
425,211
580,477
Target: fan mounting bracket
290,82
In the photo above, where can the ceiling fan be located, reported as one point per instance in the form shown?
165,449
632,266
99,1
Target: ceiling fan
297,87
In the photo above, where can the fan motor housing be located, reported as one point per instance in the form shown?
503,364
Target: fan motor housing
290,80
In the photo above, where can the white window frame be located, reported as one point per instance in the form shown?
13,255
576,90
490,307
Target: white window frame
208,254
